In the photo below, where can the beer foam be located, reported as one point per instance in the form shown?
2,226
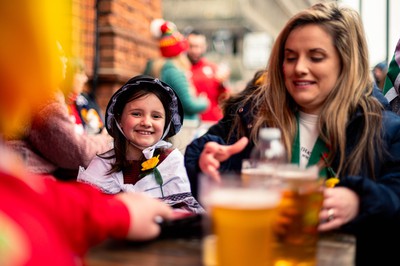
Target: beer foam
296,175
263,170
308,173
245,198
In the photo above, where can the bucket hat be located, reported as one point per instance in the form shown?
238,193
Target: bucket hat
138,82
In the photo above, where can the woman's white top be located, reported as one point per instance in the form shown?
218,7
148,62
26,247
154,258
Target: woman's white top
308,132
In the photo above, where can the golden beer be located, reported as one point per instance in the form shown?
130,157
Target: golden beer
296,228
242,221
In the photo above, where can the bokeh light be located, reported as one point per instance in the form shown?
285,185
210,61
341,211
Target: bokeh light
30,65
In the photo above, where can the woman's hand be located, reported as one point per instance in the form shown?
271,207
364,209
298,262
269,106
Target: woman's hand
213,154
340,206
144,212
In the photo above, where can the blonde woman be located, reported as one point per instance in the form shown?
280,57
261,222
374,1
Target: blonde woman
319,91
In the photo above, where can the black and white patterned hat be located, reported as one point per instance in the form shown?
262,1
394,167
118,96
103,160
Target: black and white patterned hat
141,81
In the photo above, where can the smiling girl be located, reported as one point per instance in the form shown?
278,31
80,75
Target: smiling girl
141,116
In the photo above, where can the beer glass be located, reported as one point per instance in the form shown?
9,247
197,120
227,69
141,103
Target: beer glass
296,227
241,221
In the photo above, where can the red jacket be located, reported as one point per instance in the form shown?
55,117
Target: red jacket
49,222
203,75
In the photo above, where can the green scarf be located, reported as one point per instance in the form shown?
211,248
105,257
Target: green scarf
319,150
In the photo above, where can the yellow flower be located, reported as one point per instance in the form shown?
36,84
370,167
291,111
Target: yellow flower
150,163
331,182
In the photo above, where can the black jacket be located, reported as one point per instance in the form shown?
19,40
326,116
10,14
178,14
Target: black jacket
377,225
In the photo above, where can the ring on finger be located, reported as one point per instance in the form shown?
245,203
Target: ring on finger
331,215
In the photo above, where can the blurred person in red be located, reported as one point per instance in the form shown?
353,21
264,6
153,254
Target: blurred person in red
208,77
44,221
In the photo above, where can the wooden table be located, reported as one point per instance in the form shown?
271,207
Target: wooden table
333,250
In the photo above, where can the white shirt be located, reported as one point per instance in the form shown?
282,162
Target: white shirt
308,132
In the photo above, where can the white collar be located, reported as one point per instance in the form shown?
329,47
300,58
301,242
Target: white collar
149,151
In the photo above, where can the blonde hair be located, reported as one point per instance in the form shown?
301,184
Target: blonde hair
353,91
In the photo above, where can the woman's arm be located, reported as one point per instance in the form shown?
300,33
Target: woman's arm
87,216
379,197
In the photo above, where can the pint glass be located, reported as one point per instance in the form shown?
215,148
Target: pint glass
242,219
296,228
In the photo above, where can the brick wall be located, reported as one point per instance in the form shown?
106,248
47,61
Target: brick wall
125,42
